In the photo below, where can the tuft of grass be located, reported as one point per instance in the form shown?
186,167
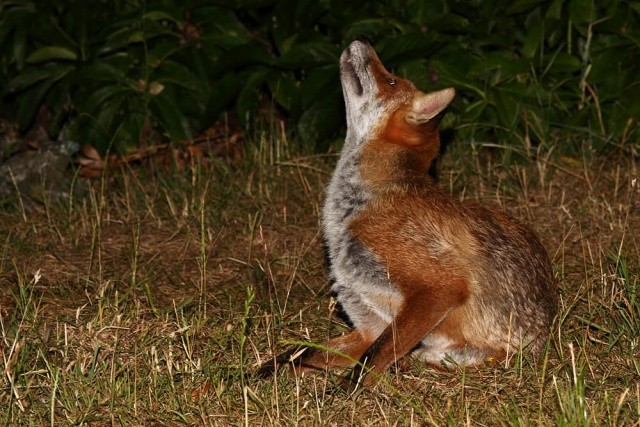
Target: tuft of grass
155,299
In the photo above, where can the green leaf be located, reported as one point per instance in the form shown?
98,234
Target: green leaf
474,110
372,28
307,55
29,103
407,46
507,108
34,75
533,39
129,131
582,11
555,10
102,125
137,37
307,12
14,19
99,98
57,99
100,71
49,53
159,15
96,129
153,29
450,75
520,6
563,63
249,54
117,41
249,95
224,92
415,71
322,119
172,72
222,28
19,47
171,118
451,22
319,82
504,66
284,88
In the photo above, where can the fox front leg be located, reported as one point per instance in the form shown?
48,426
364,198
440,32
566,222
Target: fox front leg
339,352
423,311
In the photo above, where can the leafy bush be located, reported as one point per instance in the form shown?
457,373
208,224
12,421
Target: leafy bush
124,73
111,70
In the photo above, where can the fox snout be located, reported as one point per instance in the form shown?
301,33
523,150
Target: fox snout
358,86
353,67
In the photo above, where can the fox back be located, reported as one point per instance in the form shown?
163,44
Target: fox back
415,270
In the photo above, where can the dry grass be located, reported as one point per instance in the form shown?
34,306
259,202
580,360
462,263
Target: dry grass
149,302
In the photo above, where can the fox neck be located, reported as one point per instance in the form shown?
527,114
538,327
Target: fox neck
347,193
393,165
346,196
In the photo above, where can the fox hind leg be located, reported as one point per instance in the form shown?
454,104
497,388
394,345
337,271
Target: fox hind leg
436,350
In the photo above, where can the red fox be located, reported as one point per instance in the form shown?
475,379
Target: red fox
415,270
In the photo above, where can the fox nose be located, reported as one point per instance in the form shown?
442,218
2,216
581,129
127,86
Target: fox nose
363,39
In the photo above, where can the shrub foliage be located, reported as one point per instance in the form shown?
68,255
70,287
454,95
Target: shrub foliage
117,73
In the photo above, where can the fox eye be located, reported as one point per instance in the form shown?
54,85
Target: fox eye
391,81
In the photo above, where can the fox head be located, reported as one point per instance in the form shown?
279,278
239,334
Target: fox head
388,114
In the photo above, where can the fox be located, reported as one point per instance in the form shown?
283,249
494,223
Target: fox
415,270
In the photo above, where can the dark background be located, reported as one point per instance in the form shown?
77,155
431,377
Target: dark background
530,75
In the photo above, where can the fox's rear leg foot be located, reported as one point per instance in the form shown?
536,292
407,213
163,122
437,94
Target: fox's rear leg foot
293,356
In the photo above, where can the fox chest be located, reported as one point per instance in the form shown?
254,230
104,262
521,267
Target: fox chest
361,282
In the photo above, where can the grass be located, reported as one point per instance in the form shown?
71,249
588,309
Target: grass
153,300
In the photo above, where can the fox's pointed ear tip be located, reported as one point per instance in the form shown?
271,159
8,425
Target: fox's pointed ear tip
428,105
449,92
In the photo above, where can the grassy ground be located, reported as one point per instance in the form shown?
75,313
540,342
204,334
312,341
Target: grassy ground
147,303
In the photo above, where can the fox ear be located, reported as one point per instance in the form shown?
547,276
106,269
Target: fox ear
428,105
